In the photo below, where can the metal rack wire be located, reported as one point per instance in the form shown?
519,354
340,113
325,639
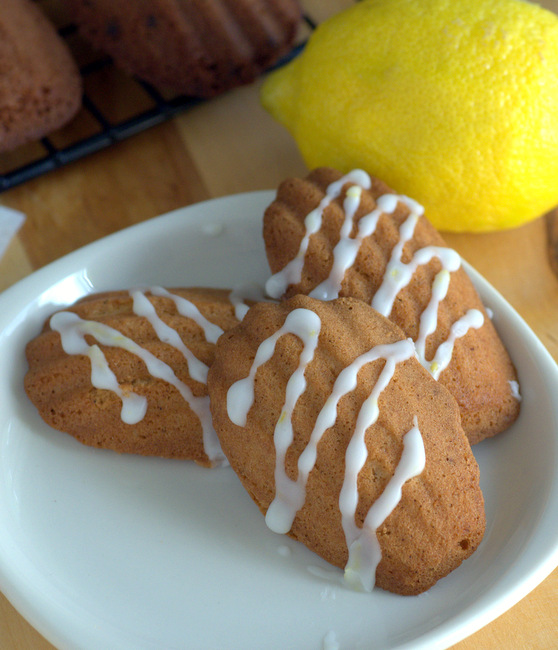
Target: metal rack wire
103,130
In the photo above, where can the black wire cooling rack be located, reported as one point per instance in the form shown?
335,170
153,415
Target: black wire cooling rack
104,118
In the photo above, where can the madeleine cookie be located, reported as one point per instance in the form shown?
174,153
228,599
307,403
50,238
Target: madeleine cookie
346,442
40,84
127,370
331,235
191,47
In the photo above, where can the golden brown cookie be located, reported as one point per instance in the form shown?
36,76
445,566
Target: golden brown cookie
127,370
331,235
345,441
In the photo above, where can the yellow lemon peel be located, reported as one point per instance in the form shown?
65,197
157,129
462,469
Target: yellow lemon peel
454,103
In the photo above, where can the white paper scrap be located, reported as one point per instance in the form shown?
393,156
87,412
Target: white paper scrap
10,222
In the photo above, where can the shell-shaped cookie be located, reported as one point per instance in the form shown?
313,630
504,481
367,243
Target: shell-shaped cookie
346,442
127,370
331,235
40,84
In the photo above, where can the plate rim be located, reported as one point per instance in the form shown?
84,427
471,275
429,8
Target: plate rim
435,637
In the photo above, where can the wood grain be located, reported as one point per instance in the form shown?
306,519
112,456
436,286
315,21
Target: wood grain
552,240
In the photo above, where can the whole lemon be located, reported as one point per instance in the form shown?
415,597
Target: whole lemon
454,103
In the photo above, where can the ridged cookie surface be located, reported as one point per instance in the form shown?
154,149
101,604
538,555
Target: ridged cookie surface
331,235
127,370
40,84
195,47
346,442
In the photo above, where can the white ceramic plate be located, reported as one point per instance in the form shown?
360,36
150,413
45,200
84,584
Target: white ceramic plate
99,550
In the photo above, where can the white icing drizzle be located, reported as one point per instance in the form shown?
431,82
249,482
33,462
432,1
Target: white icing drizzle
429,317
290,494
240,396
284,551
514,386
346,249
73,329
330,641
187,309
329,575
239,295
473,319
142,306
292,272
364,548
398,274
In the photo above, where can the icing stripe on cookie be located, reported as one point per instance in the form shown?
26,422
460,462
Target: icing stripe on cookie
143,307
292,272
240,396
239,295
290,495
473,319
187,308
364,548
398,274
73,330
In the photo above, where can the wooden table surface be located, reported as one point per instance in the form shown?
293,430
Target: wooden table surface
230,145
